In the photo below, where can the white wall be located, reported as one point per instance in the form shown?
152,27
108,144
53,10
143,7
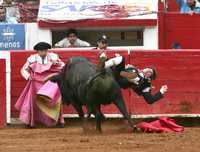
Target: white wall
150,37
34,34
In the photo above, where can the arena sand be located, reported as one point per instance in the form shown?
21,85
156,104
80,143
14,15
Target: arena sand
114,138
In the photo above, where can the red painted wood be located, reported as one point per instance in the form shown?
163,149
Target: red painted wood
161,27
179,70
2,92
17,82
99,23
173,6
181,28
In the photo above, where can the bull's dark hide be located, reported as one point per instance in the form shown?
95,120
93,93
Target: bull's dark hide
81,84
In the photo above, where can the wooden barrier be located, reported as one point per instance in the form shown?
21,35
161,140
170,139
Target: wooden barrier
2,92
18,83
178,69
179,28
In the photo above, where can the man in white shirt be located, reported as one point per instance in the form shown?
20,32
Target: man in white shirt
12,12
72,40
2,15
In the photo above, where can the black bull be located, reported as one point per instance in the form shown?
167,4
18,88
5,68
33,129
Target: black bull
80,84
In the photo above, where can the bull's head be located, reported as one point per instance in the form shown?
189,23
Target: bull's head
58,78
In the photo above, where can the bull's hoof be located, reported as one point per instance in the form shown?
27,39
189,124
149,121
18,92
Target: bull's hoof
134,129
60,125
85,125
137,130
99,131
29,127
103,118
88,115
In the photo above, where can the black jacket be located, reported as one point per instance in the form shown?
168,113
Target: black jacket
139,89
144,89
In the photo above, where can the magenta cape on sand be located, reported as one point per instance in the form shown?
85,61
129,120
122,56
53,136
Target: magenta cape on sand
163,124
32,107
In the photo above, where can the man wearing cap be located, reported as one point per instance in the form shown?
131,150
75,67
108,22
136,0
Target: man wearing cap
102,43
72,40
102,47
47,108
129,76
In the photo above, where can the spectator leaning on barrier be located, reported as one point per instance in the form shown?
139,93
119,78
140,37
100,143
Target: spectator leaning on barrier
72,40
189,6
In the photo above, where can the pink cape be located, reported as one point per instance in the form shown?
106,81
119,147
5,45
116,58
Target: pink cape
163,124
27,103
49,100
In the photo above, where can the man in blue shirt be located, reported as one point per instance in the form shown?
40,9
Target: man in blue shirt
188,6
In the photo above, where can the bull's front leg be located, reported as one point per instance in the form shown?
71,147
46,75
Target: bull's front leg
98,118
78,109
119,102
90,111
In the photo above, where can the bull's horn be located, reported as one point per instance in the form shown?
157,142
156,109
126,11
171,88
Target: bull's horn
51,77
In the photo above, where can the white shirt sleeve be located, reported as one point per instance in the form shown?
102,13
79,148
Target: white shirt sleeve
83,43
55,58
141,74
31,59
148,89
63,43
135,80
25,71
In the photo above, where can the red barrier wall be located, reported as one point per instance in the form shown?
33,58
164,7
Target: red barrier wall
2,92
181,28
99,23
173,6
178,69
18,83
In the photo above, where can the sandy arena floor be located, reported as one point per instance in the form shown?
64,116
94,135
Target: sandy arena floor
113,139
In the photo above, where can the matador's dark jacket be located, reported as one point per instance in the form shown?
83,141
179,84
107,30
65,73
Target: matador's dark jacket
142,89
